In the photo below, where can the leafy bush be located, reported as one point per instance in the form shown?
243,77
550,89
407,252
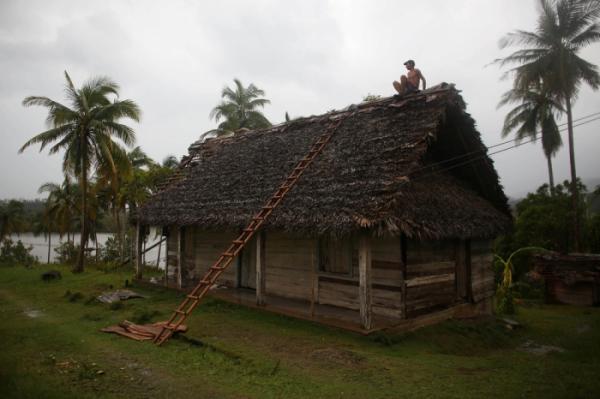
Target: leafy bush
66,252
593,235
111,252
18,253
505,303
544,219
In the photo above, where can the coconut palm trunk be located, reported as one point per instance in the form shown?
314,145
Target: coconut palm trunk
574,191
550,173
49,244
79,265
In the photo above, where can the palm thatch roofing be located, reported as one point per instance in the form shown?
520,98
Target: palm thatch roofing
414,165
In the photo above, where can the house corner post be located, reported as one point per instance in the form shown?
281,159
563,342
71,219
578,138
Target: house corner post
260,268
179,256
364,277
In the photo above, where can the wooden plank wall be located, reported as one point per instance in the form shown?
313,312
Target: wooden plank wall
482,274
387,277
289,261
386,269
430,276
172,240
204,248
292,271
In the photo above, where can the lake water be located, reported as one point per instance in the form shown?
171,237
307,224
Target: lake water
39,246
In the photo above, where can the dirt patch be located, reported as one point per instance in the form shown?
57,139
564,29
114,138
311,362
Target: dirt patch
583,329
33,313
472,371
339,356
540,350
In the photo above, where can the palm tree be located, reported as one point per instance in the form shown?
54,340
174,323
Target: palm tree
170,162
85,131
564,28
239,109
61,204
12,215
535,112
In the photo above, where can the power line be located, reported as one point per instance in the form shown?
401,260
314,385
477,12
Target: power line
483,154
484,151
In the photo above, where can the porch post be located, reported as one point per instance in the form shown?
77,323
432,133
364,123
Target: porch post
179,255
138,250
260,268
364,279
168,232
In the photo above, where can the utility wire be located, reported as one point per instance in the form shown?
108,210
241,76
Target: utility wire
484,151
483,154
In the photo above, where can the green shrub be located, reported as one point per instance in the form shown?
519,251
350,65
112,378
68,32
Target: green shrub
18,253
66,253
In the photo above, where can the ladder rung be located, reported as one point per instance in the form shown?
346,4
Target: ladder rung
207,282
168,327
194,297
218,267
180,312
239,242
230,254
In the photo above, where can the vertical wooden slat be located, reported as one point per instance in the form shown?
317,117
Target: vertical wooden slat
403,275
314,295
238,269
260,268
364,278
468,270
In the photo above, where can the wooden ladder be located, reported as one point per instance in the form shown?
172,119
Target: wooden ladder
226,258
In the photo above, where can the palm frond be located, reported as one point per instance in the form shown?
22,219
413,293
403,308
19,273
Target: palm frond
47,137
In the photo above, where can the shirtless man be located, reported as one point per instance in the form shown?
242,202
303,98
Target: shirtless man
409,83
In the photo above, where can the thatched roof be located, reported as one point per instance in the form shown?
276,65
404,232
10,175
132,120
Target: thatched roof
381,171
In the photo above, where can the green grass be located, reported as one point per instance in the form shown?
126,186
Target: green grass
52,348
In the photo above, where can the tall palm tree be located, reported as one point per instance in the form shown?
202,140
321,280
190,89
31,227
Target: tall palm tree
535,112
239,109
85,130
564,28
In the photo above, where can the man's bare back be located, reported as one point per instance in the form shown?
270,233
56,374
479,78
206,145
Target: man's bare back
410,82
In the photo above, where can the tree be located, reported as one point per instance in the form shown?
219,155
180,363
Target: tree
11,218
239,109
170,162
535,112
85,130
564,27
61,204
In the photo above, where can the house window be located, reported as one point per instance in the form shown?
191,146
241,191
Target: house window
335,256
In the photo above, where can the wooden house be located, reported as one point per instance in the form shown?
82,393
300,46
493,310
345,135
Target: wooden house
391,222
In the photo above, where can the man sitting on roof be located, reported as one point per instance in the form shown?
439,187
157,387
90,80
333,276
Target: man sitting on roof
409,83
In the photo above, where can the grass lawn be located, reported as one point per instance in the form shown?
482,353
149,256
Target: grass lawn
51,347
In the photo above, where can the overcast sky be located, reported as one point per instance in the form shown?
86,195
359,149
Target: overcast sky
174,57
